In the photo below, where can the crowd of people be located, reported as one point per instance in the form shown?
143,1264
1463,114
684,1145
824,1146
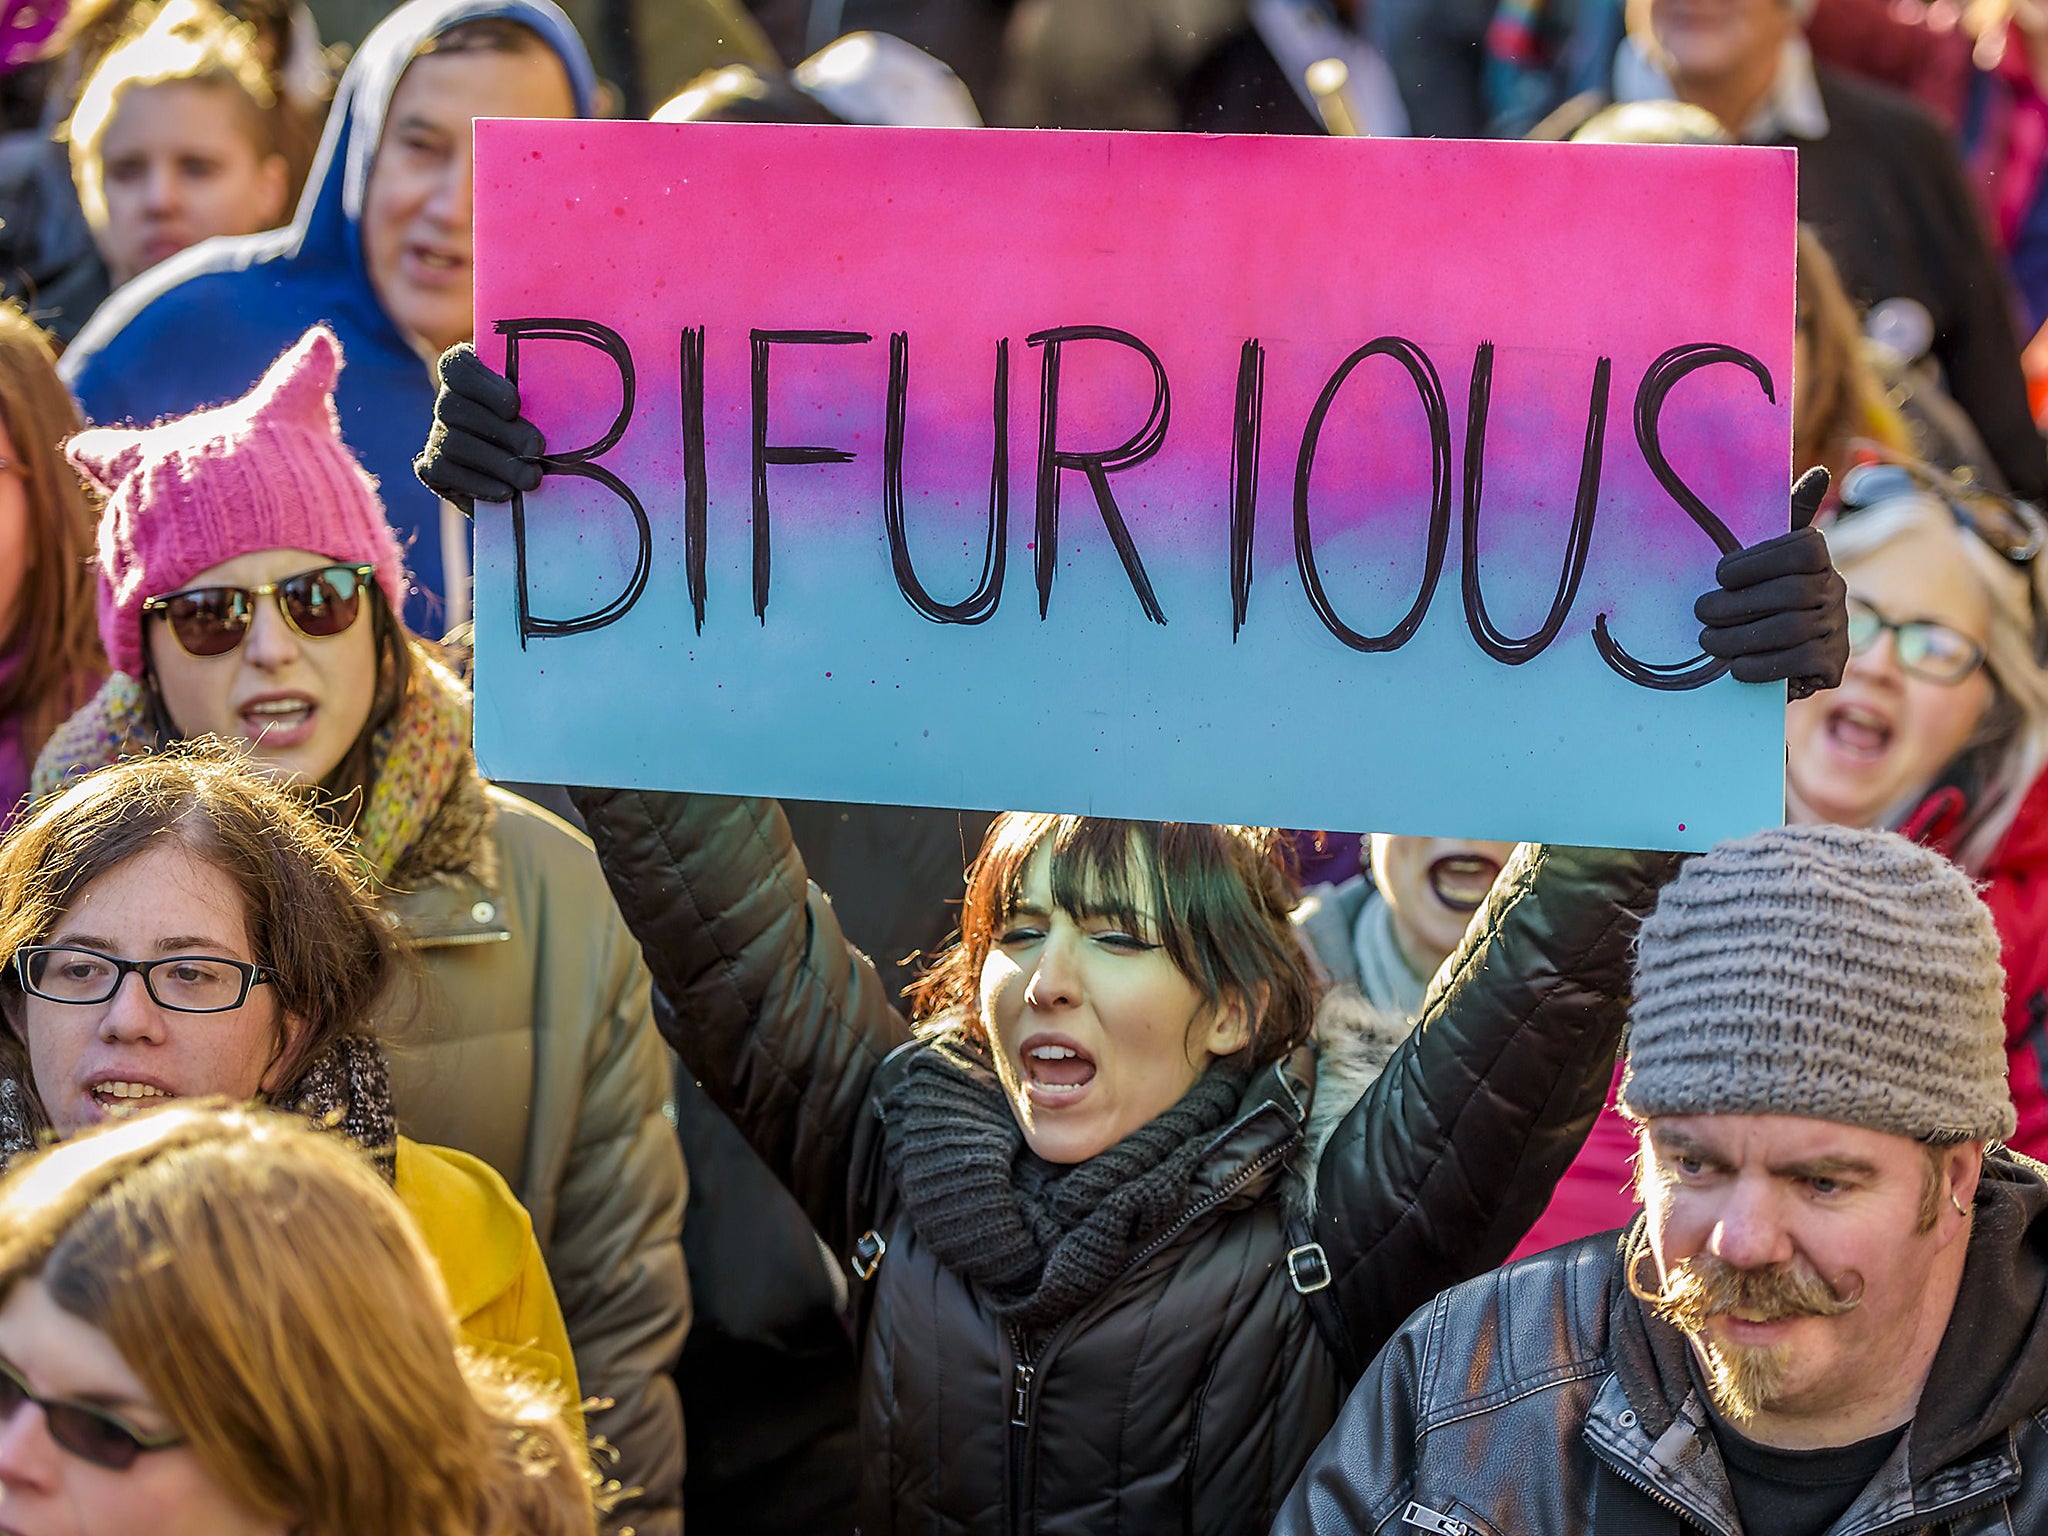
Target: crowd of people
383,1149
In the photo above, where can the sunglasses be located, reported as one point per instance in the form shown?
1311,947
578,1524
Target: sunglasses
1924,648
2012,527
211,621
90,1434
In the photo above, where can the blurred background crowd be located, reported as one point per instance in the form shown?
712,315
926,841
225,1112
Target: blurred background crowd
189,187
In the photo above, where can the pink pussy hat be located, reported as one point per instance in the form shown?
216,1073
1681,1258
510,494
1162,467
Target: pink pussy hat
267,471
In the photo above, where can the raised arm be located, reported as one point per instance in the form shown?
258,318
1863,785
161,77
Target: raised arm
1450,1156
775,1014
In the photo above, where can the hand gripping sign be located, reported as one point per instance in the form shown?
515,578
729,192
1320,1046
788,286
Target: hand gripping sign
1313,482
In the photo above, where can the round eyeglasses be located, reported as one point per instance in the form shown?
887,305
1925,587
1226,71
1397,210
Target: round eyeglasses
64,973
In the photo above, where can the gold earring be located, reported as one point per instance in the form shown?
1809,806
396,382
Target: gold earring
1961,1209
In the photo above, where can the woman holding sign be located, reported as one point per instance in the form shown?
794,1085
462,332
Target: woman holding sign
250,588
1107,1277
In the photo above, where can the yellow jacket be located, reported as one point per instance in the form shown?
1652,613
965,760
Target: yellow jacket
483,1242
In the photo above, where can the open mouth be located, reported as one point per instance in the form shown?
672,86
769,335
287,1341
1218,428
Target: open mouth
435,264
1461,880
119,1097
1056,1072
278,722
1859,733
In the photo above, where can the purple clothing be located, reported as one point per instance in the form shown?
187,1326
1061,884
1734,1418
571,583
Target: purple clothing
14,760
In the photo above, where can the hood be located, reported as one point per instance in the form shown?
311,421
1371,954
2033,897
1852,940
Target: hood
1991,1372
331,209
321,250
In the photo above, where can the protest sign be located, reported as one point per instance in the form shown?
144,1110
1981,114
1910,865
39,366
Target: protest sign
1326,483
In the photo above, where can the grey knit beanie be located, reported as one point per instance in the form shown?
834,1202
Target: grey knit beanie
1825,972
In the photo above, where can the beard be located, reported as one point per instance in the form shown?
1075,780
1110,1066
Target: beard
1742,1379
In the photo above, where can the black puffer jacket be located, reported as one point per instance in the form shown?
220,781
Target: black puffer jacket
1189,1395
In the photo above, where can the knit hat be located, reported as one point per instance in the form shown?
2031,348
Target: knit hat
267,471
1825,972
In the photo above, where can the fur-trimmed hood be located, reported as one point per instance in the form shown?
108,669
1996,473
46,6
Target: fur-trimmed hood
1354,1041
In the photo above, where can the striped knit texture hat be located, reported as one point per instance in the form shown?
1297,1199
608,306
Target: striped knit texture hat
267,471
1825,972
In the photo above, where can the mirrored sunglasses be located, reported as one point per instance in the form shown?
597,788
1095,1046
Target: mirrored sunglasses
212,621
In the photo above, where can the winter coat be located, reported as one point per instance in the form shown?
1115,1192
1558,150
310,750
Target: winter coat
200,328
482,1243
530,1044
1543,1400
2014,885
1186,1395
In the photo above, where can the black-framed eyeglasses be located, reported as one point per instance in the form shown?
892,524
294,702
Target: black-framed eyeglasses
91,1434
1924,647
2013,527
211,621
65,973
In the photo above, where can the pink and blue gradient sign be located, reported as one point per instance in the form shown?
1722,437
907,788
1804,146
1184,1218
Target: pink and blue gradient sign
1314,482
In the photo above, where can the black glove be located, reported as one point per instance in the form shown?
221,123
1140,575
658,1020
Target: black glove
1781,612
481,448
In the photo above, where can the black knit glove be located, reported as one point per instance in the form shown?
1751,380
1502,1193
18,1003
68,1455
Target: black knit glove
1781,612
481,448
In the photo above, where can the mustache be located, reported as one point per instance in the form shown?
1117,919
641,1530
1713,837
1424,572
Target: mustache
1704,1287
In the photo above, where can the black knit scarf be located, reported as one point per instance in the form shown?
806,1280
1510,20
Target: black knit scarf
1039,1239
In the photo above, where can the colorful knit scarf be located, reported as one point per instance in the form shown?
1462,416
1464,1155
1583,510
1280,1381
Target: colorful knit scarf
416,759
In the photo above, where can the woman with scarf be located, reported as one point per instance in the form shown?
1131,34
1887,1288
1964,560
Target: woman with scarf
50,659
228,1327
249,589
1117,1262
175,927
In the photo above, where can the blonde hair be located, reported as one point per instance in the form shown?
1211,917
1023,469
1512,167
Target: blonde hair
185,42
274,1299
2010,746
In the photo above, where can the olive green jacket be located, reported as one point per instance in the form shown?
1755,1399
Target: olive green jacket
527,1040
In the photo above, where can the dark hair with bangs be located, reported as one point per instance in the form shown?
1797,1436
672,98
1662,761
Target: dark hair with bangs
1216,898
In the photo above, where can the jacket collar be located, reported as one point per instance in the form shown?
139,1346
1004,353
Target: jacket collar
1649,1424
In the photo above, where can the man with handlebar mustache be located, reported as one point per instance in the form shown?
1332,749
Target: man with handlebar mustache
1832,1313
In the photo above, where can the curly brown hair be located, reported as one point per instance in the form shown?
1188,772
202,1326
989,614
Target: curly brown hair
312,921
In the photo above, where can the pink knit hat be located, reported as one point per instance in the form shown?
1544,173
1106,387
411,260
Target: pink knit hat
267,471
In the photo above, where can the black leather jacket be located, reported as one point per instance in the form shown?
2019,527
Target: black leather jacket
1542,1400
1188,1395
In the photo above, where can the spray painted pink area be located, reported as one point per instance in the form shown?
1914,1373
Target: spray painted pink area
1175,671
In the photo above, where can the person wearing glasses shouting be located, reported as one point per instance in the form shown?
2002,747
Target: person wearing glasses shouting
249,590
317,1386
1940,727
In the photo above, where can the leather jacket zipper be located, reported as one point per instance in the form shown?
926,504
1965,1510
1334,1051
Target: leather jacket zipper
1658,1496
1022,1388
1919,1519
